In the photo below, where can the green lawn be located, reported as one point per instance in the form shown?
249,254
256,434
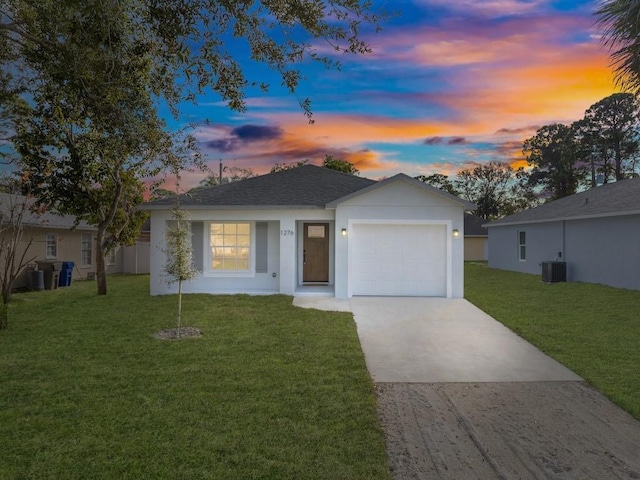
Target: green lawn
269,392
592,329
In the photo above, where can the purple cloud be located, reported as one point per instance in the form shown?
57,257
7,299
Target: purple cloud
433,141
244,134
457,141
250,133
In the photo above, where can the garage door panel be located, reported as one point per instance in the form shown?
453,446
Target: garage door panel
407,260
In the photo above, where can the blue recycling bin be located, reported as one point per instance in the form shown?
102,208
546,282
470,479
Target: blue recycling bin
66,274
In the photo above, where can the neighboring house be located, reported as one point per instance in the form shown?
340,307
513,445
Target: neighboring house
312,230
596,232
476,245
55,239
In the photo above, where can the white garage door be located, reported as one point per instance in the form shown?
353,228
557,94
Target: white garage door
399,260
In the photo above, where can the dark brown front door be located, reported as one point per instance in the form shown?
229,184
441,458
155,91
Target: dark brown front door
316,252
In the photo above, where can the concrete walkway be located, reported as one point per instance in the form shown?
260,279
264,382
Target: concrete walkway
427,340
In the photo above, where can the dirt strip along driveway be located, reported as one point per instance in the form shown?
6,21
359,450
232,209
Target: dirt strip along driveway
533,430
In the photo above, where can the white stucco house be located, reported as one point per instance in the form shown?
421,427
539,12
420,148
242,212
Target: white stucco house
315,231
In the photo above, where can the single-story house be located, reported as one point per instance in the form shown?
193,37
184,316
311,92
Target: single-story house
54,239
596,232
476,245
312,230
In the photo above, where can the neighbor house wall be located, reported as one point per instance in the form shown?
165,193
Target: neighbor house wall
394,204
543,242
475,249
69,249
597,250
604,250
282,252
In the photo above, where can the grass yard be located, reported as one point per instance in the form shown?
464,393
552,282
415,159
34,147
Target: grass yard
592,329
269,392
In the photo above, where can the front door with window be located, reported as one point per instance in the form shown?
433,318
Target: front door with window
316,252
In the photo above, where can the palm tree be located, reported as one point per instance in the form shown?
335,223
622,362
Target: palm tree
620,21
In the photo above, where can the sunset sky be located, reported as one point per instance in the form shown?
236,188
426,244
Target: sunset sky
450,84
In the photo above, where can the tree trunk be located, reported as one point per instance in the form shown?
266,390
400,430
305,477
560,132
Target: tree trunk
618,164
179,308
4,315
101,269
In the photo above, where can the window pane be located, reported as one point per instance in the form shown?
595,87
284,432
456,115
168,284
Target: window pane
217,240
243,264
230,228
229,263
244,229
523,252
523,238
216,229
244,240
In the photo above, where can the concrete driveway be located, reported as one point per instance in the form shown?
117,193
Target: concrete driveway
428,340
461,396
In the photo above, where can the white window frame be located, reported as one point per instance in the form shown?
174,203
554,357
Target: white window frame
83,238
51,240
522,245
208,269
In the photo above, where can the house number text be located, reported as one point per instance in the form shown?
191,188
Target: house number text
286,233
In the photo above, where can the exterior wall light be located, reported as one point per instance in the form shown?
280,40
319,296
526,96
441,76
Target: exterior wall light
344,232
456,233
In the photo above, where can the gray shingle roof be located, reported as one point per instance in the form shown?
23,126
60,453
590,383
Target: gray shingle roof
473,226
45,220
307,186
612,199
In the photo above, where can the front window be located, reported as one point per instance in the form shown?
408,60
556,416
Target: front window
52,245
230,247
87,250
522,246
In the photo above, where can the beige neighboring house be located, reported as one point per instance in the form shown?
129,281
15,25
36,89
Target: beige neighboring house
476,239
54,239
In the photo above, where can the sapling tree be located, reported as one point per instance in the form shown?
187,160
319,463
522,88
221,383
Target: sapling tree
14,249
179,266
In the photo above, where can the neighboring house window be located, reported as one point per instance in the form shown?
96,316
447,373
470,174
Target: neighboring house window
87,250
230,247
52,245
112,256
522,246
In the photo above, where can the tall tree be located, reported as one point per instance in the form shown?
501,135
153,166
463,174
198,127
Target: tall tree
192,46
612,132
233,174
339,165
553,152
279,167
496,188
618,20
440,181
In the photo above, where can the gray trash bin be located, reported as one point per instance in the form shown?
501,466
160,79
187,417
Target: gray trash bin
51,274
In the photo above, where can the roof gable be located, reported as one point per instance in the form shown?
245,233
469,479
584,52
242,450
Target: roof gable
401,177
611,199
307,186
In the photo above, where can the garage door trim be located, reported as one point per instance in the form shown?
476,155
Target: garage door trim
448,245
